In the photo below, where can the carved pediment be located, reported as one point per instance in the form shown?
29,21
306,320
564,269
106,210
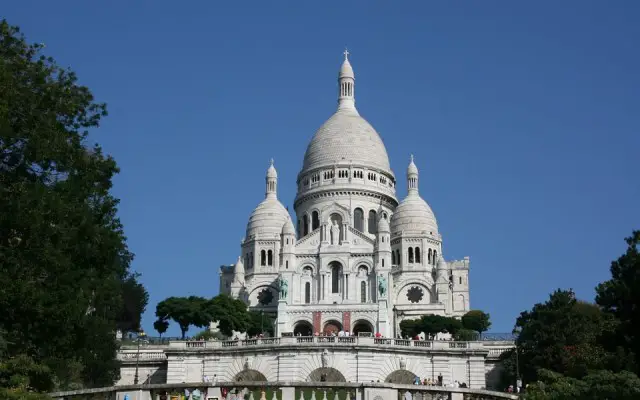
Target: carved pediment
338,208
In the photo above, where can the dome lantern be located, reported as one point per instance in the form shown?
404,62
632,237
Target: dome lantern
272,182
346,84
412,177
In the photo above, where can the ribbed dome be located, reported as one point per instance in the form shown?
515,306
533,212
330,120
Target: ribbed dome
267,218
288,229
383,225
346,137
414,215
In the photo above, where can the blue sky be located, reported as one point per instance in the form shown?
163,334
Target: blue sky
524,118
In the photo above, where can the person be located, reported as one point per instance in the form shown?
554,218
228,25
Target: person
439,379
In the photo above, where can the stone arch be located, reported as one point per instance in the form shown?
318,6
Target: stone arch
249,375
401,376
362,325
332,325
337,271
302,327
302,267
256,295
428,285
326,375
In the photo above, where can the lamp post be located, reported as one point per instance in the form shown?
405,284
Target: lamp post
135,377
262,322
518,381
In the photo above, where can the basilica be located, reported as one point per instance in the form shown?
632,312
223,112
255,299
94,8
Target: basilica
354,258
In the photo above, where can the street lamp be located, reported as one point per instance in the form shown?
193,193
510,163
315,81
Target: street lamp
141,335
518,381
262,322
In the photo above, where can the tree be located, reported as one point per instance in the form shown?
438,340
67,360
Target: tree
134,302
594,386
63,250
620,296
561,335
476,320
161,325
231,314
431,325
185,311
260,322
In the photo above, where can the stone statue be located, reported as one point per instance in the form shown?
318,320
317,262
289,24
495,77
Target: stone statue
335,233
403,363
325,358
284,287
382,286
247,363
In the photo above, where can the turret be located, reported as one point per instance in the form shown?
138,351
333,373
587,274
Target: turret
383,244
288,246
443,284
238,278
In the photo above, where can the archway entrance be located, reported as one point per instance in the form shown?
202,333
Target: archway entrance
401,376
250,375
303,328
332,327
326,375
362,327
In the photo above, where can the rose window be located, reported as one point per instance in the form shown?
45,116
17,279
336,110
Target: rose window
265,297
415,294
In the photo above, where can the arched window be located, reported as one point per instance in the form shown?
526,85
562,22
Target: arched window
270,257
410,255
461,280
435,257
373,222
305,225
263,257
418,255
299,231
315,221
358,219
286,264
307,292
335,278
393,258
363,292
251,259
429,256
383,263
398,259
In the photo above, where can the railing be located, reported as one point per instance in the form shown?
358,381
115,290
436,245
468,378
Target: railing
142,355
289,391
331,341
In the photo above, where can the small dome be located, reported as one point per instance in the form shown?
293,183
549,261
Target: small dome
267,218
414,215
288,229
346,71
383,225
412,169
271,172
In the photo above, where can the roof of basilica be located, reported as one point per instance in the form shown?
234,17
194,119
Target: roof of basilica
346,137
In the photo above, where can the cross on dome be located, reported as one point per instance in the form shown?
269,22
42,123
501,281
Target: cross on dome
346,53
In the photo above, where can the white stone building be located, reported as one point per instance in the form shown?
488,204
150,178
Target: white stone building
355,259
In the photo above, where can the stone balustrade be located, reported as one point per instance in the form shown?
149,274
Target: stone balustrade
325,341
285,391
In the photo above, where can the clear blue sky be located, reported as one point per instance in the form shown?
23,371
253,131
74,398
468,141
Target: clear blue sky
524,118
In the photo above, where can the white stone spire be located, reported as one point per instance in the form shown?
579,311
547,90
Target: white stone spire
346,85
272,182
412,177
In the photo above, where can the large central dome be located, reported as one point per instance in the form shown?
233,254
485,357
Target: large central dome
346,137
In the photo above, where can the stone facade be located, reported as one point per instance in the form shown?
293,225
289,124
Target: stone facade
356,259
310,359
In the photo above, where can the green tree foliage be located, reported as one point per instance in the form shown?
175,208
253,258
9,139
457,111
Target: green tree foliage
185,311
561,335
260,323
476,320
231,314
596,385
63,250
161,326
134,303
430,325
620,296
